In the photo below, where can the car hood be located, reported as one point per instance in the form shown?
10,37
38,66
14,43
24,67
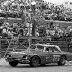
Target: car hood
25,52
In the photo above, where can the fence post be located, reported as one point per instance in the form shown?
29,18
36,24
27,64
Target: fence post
0,47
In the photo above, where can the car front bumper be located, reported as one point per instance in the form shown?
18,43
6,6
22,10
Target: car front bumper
22,61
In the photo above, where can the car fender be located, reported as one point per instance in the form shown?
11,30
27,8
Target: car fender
69,57
64,56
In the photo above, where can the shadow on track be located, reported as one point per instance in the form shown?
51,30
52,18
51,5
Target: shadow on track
48,65
28,66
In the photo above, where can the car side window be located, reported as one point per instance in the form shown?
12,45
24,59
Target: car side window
55,49
49,49
52,49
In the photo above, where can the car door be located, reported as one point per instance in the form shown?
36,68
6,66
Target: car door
49,55
56,54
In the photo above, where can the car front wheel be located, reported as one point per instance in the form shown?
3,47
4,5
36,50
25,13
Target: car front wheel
13,63
35,61
62,60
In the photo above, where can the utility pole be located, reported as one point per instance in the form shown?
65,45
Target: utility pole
0,47
34,24
33,27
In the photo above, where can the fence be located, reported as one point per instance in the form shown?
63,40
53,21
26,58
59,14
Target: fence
7,45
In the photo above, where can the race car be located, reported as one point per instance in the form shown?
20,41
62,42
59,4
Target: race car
39,54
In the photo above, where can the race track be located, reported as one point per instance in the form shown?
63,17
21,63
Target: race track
4,67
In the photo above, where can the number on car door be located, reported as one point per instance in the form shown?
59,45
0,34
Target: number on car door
49,55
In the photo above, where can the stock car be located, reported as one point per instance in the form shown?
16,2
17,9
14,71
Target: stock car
39,54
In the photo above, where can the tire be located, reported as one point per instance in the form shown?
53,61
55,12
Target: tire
35,61
42,65
62,60
13,63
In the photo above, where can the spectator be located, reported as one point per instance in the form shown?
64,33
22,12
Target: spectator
4,32
21,32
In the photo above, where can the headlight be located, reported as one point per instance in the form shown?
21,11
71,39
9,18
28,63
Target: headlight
25,57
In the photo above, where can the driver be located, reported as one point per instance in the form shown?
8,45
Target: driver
47,49
36,48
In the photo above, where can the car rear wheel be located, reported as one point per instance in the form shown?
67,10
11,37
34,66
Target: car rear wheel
13,63
35,61
42,65
62,60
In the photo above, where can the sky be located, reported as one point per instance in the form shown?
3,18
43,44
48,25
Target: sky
58,2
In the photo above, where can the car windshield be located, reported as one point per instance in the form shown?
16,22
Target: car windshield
36,46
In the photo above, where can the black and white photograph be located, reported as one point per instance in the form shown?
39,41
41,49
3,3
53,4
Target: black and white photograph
35,35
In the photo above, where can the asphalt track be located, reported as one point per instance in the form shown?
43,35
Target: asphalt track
4,67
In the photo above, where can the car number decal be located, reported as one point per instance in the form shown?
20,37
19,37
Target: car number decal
56,57
49,58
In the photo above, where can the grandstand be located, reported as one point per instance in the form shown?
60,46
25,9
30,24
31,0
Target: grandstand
47,25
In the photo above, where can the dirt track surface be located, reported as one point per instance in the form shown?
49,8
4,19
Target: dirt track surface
4,67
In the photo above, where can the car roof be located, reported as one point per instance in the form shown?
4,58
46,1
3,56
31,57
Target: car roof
44,45
48,45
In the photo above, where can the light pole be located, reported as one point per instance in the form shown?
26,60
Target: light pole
33,29
34,25
0,47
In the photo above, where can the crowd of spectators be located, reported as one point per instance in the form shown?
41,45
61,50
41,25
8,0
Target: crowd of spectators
49,11
43,11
